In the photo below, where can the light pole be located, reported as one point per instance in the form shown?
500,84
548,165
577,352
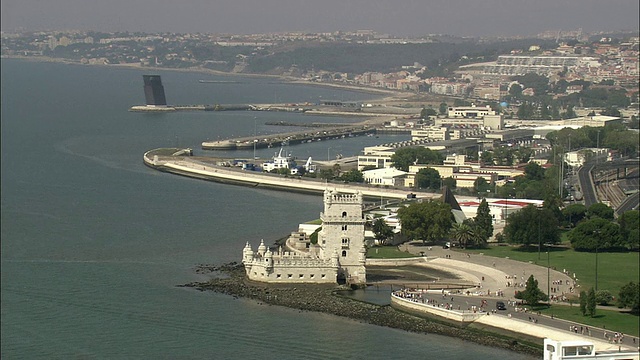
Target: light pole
539,241
254,148
597,245
548,273
328,154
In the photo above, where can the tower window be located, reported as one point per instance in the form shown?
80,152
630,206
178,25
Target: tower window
344,214
344,227
344,253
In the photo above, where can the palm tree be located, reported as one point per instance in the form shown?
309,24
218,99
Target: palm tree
462,233
382,230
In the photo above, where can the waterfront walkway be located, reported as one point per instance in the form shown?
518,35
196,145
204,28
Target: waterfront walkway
495,272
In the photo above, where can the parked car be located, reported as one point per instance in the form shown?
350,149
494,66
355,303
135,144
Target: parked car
500,305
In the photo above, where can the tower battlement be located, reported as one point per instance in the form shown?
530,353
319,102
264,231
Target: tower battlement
338,256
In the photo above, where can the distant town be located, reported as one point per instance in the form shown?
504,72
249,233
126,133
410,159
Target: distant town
549,74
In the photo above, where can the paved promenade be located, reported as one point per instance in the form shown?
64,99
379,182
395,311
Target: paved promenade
496,273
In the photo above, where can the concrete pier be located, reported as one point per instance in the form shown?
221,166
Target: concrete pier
288,138
200,169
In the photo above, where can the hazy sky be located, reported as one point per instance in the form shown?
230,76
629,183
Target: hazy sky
396,17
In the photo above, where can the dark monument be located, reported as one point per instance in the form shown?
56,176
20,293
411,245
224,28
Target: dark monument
154,91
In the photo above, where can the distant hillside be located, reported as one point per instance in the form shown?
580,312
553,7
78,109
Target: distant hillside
360,58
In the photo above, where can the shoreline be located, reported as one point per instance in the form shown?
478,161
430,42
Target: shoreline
390,94
325,299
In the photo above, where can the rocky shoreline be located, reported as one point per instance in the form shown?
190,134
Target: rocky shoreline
325,299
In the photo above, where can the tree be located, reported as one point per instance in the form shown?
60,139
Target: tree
603,297
352,176
405,157
484,221
449,182
428,178
425,113
462,233
326,174
629,297
515,90
534,172
583,303
629,223
382,231
529,225
443,108
532,295
600,210
427,220
591,303
574,213
480,185
595,233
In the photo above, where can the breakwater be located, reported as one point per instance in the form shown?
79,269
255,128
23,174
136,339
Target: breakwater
291,138
326,299
205,168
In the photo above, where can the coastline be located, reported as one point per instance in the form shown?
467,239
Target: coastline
390,94
326,299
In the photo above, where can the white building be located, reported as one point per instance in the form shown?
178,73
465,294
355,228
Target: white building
579,157
378,156
469,111
582,350
338,256
431,132
384,177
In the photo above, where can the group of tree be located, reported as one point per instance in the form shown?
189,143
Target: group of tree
506,156
615,137
597,230
405,157
588,303
474,232
432,221
532,294
382,231
532,225
536,183
429,221
544,105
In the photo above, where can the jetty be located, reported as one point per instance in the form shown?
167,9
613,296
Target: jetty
206,168
290,138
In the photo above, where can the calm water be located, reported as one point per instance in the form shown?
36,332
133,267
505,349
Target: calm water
93,242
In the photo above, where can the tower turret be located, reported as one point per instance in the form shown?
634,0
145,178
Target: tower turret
247,254
262,248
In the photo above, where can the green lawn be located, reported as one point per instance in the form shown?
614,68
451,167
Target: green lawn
614,269
609,319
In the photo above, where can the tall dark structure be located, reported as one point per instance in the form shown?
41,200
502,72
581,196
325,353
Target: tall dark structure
154,91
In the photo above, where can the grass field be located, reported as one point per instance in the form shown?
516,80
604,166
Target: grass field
609,319
614,269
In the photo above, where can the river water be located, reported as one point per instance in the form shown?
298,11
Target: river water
94,243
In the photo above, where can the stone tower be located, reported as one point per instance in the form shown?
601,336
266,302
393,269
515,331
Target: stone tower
343,234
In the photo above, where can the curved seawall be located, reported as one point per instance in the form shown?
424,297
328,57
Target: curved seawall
187,166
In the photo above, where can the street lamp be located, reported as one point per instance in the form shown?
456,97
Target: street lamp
328,154
539,241
548,273
597,245
254,148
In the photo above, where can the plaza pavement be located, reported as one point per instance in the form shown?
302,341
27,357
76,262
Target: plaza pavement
495,270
